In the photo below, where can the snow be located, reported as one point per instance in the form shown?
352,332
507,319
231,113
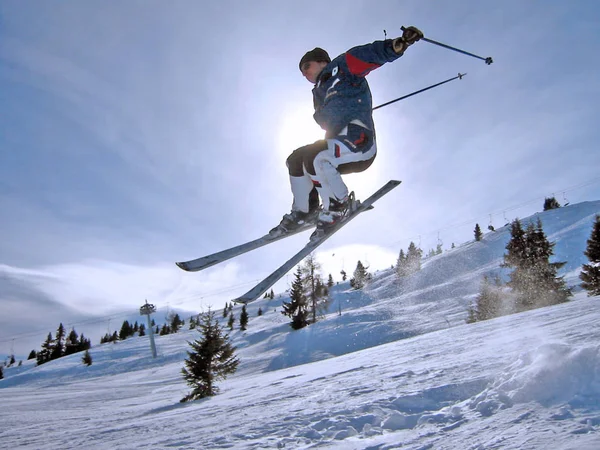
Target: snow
398,368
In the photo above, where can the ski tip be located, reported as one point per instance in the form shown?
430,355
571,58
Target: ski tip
182,266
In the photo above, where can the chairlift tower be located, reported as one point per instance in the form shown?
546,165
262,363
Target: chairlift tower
147,310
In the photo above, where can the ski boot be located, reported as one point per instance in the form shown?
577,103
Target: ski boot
329,219
294,220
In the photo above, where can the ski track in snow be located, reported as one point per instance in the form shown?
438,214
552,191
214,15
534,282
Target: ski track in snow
398,369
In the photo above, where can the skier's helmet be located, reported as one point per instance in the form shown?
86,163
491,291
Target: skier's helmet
317,54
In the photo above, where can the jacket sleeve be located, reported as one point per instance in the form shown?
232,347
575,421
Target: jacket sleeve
363,59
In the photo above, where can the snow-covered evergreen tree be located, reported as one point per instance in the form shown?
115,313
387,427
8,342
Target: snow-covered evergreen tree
243,318
488,303
590,273
551,203
361,276
58,349
413,258
44,355
401,269
297,308
313,285
84,343
72,342
125,331
175,322
87,358
534,279
478,233
212,358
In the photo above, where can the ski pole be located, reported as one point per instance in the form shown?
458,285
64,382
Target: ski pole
487,60
459,76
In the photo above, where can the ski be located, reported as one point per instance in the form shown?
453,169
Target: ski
205,262
312,245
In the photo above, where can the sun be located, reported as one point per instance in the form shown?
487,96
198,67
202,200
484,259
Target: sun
297,128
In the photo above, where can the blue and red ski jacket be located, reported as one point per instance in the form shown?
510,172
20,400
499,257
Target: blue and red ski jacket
342,93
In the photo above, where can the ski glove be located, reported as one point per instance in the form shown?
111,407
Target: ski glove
410,35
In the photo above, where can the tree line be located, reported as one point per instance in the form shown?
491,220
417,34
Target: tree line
60,345
533,281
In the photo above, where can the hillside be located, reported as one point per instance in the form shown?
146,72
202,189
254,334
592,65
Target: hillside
399,366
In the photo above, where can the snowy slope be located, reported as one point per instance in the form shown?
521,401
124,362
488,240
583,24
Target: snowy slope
398,367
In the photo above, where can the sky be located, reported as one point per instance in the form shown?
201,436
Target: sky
397,368
137,134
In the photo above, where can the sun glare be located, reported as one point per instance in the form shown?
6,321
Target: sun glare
297,128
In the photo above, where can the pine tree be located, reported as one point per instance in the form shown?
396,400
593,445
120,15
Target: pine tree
272,294
175,323
297,308
59,343
32,355
478,233
43,356
72,342
590,273
142,330
231,321
87,358
551,203
260,312
212,358
1,373
361,276
344,275
312,283
125,331
401,266
243,318
84,343
534,279
488,303
413,259
330,281
225,310
517,246
165,330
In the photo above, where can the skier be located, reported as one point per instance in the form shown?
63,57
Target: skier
343,108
